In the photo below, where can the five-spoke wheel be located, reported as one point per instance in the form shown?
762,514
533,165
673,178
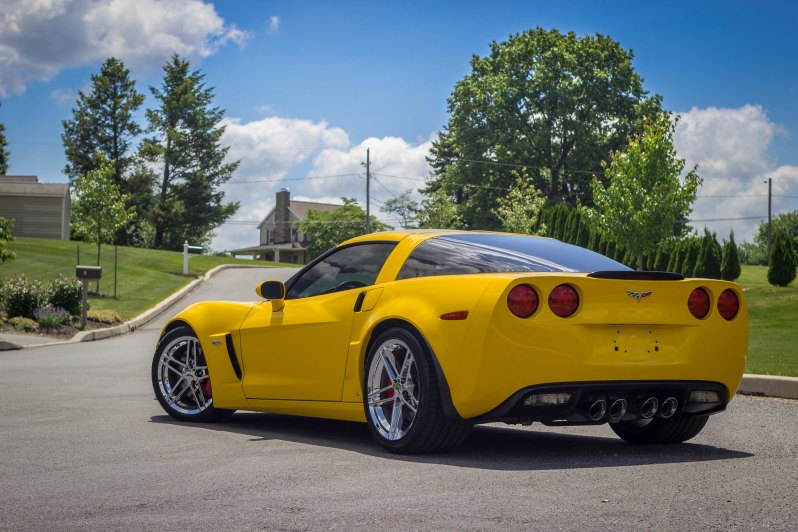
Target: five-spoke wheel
180,378
391,390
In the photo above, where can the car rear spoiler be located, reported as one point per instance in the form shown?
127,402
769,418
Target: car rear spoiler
634,275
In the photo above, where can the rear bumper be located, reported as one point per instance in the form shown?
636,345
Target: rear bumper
576,410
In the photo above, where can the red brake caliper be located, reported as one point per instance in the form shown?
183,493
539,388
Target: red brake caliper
206,388
390,392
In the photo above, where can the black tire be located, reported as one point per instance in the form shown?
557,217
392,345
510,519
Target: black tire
427,430
677,429
180,378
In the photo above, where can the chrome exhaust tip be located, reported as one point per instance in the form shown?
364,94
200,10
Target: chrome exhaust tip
618,409
597,410
668,407
649,407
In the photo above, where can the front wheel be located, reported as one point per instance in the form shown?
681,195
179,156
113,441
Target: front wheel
677,429
181,380
402,397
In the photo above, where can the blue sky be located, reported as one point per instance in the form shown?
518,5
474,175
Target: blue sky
307,86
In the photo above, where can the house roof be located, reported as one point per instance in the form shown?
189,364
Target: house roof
300,209
29,186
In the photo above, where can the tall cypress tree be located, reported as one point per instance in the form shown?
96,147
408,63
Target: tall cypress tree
103,122
186,144
4,155
730,267
781,271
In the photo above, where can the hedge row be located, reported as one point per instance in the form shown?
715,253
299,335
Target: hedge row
691,256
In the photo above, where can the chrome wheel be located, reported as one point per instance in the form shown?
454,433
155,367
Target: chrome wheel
392,389
182,376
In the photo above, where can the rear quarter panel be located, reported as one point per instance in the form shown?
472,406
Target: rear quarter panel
611,337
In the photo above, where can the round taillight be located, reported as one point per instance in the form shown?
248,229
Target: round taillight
728,304
563,300
522,300
698,303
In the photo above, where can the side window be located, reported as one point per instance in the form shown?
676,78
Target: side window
346,268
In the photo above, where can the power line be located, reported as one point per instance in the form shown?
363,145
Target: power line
308,178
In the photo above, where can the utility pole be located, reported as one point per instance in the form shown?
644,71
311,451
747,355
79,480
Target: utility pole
368,199
770,220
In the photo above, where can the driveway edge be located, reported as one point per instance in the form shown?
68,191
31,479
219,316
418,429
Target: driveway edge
770,386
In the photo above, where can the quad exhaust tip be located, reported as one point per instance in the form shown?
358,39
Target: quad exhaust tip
668,407
649,408
597,410
618,409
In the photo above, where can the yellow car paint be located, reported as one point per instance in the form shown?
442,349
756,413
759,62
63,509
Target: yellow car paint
309,357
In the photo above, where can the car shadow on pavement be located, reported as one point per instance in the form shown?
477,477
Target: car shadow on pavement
488,447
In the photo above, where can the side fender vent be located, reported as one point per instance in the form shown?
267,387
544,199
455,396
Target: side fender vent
231,352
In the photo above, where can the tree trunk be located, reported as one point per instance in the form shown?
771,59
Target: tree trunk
159,221
640,261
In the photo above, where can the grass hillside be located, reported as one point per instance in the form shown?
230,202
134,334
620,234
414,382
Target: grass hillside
144,276
773,344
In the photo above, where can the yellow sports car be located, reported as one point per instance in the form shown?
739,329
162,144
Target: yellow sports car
422,334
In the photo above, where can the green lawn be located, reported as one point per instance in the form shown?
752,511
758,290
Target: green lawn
144,276
773,344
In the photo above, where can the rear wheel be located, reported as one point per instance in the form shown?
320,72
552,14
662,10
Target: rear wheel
658,430
402,397
181,380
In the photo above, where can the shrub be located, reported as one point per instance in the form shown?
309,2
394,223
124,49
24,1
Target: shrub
50,317
22,296
104,316
782,260
730,267
24,324
66,293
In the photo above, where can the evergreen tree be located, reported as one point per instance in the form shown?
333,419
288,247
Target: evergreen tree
186,144
730,266
677,257
782,260
3,151
708,264
103,122
692,247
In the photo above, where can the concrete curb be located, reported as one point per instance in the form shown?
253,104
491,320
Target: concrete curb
770,386
139,321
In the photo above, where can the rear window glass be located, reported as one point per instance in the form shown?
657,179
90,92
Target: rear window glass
491,253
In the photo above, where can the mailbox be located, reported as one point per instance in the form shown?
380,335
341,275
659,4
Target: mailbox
89,273
194,250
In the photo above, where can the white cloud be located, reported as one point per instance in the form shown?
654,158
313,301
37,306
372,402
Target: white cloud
274,26
302,155
732,149
40,37
63,97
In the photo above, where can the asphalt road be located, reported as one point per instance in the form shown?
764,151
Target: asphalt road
84,445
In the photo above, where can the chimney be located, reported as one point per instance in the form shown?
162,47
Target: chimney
282,227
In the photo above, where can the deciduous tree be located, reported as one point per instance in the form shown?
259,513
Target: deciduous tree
556,104
519,209
644,197
328,229
98,208
404,208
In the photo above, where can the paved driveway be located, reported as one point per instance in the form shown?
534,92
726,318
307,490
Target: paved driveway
84,445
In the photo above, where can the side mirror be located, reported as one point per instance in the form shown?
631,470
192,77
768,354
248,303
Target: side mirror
273,291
